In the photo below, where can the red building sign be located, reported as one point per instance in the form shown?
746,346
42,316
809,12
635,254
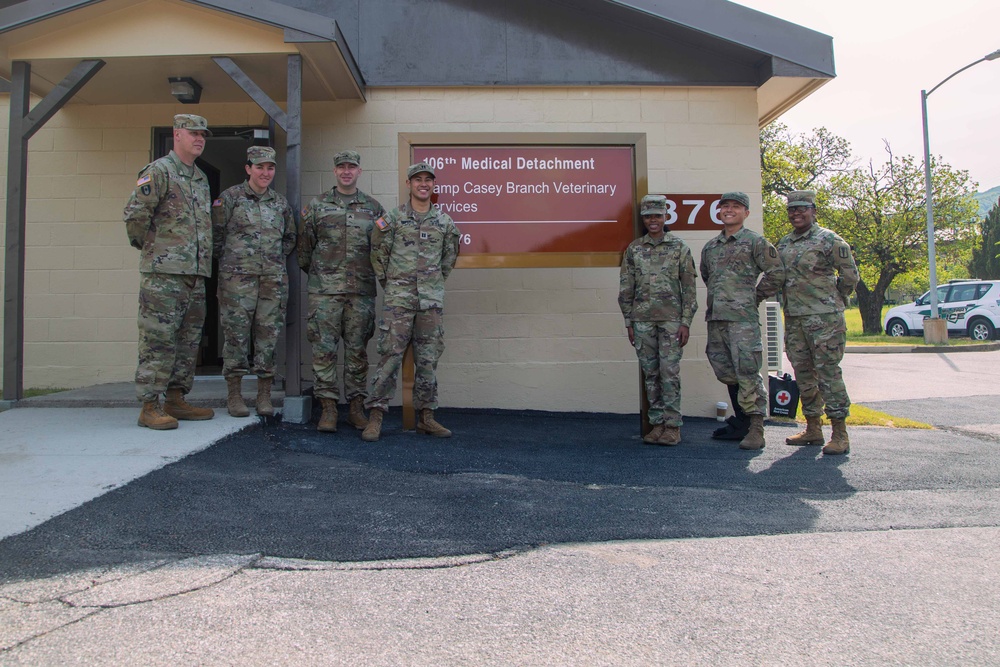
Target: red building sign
549,205
509,201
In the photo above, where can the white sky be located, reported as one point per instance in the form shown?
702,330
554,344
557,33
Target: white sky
886,52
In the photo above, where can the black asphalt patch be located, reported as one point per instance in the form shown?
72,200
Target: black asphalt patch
506,480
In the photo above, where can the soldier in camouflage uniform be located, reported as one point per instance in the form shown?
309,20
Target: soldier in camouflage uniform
820,275
254,232
731,264
335,250
414,248
657,296
168,219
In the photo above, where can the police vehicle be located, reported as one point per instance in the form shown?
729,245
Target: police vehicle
971,307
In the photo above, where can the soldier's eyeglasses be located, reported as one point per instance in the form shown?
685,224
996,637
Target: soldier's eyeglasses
798,209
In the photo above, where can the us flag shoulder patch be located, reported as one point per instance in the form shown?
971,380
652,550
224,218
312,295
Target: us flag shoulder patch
382,224
305,211
142,181
217,202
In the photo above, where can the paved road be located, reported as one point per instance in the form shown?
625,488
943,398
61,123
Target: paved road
534,539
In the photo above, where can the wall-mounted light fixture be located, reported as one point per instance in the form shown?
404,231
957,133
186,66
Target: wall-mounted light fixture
185,89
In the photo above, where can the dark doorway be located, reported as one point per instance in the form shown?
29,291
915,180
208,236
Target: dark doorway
222,161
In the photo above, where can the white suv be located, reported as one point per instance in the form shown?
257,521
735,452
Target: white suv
970,306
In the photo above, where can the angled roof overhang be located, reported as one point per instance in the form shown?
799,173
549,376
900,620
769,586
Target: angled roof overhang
792,61
144,43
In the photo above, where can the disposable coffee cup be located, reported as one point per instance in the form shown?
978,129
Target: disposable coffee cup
720,411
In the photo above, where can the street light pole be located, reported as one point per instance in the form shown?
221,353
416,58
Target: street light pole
928,189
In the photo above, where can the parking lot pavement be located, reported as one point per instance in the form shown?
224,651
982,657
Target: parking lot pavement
509,480
527,538
899,377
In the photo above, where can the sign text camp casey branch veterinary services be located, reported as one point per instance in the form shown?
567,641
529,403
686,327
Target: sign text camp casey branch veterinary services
511,200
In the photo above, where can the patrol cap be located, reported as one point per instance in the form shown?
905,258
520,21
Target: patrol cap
258,154
188,121
802,198
347,157
654,204
738,197
419,167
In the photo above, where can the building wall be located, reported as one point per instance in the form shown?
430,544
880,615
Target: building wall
549,339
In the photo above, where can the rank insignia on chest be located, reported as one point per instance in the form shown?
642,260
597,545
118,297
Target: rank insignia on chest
382,224
424,236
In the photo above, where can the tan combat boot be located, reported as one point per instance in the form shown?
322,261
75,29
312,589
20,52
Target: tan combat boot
177,407
755,436
839,442
152,416
654,435
426,424
812,435
328,420
671,436
264,407
356,416
234,400
374,428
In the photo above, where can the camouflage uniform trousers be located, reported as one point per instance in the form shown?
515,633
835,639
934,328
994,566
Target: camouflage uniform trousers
171,317
736,353
332,318
815,346
251,305
400,326
660,360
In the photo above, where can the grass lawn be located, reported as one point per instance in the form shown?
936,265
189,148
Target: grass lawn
38,391
855,336
862,416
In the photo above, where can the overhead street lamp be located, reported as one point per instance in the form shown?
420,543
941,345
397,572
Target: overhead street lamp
928,190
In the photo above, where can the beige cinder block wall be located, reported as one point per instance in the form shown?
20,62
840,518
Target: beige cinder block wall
516,338
552,339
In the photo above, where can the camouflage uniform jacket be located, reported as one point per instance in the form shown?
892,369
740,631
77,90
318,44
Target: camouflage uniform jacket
253,233
657,282
335,243
812,261
412,258
730,267
168,217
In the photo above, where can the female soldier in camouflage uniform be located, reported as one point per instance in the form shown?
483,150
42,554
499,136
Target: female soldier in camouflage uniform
254,232
658,299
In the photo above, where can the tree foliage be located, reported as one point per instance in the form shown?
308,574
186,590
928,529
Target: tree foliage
880,211
985,260
877,208
797,162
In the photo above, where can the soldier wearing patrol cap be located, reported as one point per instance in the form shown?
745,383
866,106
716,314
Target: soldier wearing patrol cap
335,250
820,275
741,269
168,219
657,296
414,248
254,232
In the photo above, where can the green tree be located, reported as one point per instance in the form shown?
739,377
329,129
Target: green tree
985,260
880,211
797,162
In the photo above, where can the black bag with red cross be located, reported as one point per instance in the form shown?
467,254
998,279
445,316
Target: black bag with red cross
784,395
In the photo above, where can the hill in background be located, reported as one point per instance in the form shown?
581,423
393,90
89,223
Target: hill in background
987,200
